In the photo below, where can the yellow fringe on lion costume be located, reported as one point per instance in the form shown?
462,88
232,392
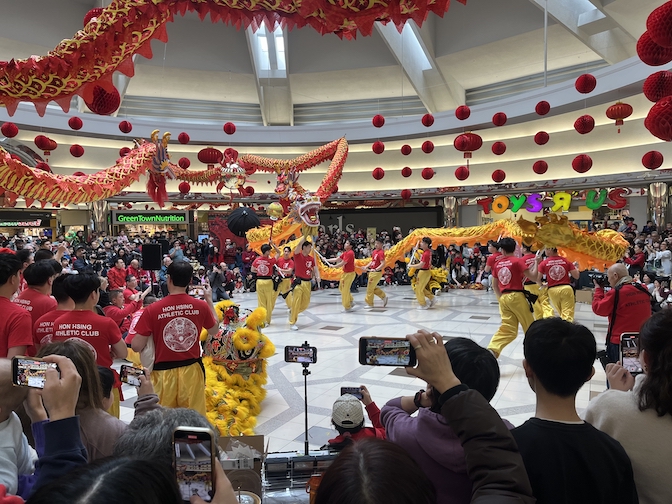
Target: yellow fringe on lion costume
235,369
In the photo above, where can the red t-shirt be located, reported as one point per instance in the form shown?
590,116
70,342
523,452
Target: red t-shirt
377,258
303,266
556,270
35,303
264,266
131,328
285,263
492,258
16,328
348,257
43,328
426,259
509,273
96,332
116,278
175,322
127,295
529,261
122,316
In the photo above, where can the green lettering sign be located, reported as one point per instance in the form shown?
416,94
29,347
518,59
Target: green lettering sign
593,203
151,218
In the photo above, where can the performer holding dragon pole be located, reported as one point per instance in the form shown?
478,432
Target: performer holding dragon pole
347,262
304,270
375,269
424,275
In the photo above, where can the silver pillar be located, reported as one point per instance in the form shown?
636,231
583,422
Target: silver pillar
99,212
450,211
658,203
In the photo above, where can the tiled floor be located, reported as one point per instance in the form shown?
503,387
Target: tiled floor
472,314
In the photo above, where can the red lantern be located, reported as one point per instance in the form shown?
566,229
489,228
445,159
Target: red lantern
378,173
183,138
104,102
468,143
498,176
77,150
42,142
78,174
378,121
229,128
542,108
427,146
184,187
9,129
44,167
658,85
210,156
462,112
585,83
540,167
406,172
125,127
249,191
659,25
75,123
651,53
406,194
462,173
659,119
582,163
378,147
184,163
124,151
427,173
406,149
93,13
498,148
541,138
584,124
652,160
427,120
52,145
618,112
499,119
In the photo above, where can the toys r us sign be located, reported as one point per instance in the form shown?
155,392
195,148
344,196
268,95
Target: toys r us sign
561,201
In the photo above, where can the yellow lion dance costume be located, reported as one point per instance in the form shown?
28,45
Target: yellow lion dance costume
235,369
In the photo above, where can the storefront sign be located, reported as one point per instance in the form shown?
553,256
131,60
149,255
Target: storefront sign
25,219
150,218
561,201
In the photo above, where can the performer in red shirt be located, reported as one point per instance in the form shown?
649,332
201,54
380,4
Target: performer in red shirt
304,270
36,298
117,276
424,275
375,269
346,261
561,294
507,282
285,266
542,308
492,258
175,324
15,323
43,328
264,267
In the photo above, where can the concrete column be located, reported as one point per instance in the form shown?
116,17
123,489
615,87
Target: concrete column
658,203
450,211
99,213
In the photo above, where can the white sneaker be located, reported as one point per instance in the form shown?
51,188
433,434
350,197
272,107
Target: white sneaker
369,307
431,302
346,310
422,307
294,327
385,301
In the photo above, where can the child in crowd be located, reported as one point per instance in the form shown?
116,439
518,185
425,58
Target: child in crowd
348,418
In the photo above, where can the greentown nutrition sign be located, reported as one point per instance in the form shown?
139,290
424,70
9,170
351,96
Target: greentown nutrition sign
151,218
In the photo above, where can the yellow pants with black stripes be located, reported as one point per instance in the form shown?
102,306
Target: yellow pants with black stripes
421,289
514,310
563,301
266,296
182,387
542,308
372,288
285,286
300,300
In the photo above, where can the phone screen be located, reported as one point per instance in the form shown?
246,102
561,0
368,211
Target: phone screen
196,291
130,375
303,355
355,391
27,372
630,353
193,452
386,352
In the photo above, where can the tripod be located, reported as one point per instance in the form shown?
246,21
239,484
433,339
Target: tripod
305,396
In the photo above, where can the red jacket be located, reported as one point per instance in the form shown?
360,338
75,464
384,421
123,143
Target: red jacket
122,317
636,260
634,308
116,278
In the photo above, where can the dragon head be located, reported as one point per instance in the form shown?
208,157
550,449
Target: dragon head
306,208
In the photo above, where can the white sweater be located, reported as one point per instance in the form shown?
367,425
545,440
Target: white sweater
646,437
16,455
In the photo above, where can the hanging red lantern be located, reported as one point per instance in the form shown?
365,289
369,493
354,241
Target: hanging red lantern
184,163
104,102
378,147
378,121
427,120
184,187
541,138
125,127
427,146
659,119
406,194
651,53
406,172
42,142
540,167
658,85
249,191
52,145
229,128
93,13
468,143
75,123
9,129
659,24
183,138
76,150
498,148
124,151
462,112
499,119
584,124
582,163
652,160
498,176
44,167
210,156
585,83
462,173
618,112
542,108
427,173
78,174
406,149
378,173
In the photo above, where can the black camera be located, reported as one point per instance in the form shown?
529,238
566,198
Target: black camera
601,278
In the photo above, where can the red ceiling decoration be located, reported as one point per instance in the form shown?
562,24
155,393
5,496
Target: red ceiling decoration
378,147
406,172
542,108
103,101
584,124
468,143
125,127
184,187
652,160
406,149
76,150
378,173
499,119
651,53
184,163
427,173
229,128
210,156
427,146
427,120
541,138
462,173
9,129
659,119
540,167
498,148
462,112
658,85
659,25
582,163
378,121
406,194
618,112
183,138
124,151
585,83
498,176
75,123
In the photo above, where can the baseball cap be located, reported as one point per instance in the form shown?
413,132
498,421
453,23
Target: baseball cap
347,412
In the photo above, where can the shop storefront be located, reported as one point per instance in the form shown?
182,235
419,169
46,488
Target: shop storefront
151,222
27,222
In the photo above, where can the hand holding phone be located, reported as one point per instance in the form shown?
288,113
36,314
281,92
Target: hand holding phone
131,375
30,371
619,378
194,462
386,352
354,391
630,353
61,393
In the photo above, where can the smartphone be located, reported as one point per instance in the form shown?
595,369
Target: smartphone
196,291
30,371
193,461
386,352
355,391
130,375
630,353
303,355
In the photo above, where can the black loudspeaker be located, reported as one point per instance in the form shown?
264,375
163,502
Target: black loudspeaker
165,246
152,258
